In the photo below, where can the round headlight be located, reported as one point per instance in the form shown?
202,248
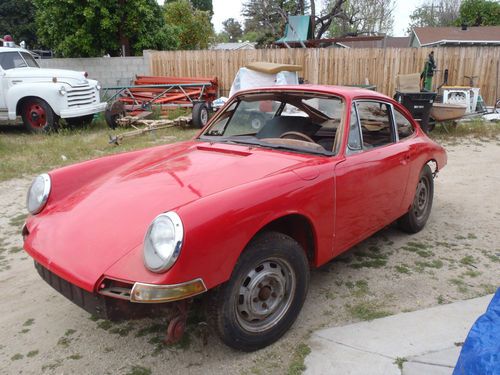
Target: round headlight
163,242
62,90
98,87
38,194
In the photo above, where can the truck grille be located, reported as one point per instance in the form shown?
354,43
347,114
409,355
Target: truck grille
81,95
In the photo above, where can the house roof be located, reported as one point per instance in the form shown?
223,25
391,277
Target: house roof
234,46
429,36
390,42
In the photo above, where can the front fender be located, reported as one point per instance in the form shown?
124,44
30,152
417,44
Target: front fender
218,227
44,91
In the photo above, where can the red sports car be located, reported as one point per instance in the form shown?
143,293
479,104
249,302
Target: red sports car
281,180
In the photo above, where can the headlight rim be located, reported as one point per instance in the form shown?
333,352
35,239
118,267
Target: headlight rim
178,240
45,195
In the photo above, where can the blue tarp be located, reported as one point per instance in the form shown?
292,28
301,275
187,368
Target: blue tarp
480,354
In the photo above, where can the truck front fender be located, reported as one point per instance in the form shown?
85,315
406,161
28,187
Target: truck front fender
20,91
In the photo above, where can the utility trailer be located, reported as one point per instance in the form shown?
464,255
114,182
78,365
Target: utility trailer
149,92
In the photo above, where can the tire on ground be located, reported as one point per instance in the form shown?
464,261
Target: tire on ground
38,116
416,217
200,115
264,295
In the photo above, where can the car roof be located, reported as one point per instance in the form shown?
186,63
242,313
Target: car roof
344,91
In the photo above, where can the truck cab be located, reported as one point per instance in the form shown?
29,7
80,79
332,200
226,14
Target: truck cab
42,96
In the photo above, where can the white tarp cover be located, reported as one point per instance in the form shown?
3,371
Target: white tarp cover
249,79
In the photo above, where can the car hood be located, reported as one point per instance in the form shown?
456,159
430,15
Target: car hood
46,75
80,236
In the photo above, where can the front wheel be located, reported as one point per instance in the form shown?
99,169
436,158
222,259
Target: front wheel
416,218
264,295
38,116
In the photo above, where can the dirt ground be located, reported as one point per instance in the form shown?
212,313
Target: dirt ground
456,257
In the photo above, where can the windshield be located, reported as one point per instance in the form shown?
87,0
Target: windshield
297,121
16,59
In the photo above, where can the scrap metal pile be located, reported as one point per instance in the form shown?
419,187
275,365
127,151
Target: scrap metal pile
149,92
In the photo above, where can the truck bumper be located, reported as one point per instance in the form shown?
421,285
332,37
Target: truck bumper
83,111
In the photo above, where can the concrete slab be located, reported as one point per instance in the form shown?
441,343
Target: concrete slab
425,338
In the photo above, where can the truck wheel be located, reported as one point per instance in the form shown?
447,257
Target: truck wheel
264,295
38,116
200,115
80,121
414,220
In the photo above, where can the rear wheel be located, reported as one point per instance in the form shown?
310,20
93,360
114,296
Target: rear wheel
416,218
38,116
200,115
264,295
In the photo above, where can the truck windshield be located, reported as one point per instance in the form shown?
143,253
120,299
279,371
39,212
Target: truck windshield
16,59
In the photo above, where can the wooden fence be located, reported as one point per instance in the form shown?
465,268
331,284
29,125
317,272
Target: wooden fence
336,66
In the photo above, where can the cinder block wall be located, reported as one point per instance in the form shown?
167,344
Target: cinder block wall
109,71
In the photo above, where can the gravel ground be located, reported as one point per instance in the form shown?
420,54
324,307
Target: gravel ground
456,257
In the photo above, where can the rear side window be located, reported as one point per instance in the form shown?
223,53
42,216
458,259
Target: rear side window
405,129
376,124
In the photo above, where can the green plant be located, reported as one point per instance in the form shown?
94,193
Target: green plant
297,365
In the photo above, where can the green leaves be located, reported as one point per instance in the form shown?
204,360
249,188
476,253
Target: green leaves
99,27
479,13
191,27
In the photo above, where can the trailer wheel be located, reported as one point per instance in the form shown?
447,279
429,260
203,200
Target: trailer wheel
200,115
38,116
113,113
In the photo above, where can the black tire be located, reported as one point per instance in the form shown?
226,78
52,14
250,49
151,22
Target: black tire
416,218
200,115
264,295
113,112
80,121
38,116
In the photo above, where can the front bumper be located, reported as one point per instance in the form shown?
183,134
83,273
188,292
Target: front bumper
116,302
83,111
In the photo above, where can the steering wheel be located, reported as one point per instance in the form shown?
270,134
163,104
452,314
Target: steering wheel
297,136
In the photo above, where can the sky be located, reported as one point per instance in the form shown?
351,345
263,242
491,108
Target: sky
224,9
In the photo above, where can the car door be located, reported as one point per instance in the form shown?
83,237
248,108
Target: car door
371,180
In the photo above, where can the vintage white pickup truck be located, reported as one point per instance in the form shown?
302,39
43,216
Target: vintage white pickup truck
42,96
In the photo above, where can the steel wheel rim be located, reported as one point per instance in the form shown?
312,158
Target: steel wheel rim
265,295
421,201
36,115
204,116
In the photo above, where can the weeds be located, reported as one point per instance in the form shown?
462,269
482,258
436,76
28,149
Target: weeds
297,365
34,153
367,310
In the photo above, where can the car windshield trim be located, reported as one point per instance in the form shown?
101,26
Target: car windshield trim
252,141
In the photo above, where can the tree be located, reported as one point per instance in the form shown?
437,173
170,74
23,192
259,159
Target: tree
233,29
266,19
205,5
17,18
365,16
193,26
479,13
99,27
435,14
